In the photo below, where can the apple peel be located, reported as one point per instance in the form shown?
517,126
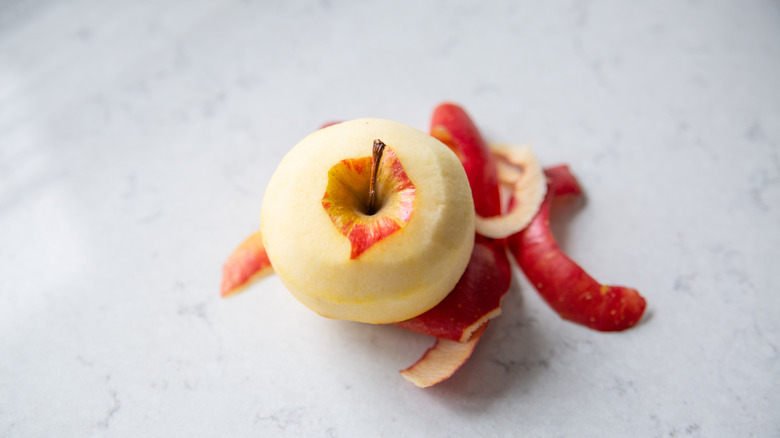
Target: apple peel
520,172
451,125
247,264
476,298
568,289
442,360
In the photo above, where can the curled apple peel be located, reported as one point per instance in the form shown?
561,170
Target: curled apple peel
442,360
521,174
451,125
566,287
247,264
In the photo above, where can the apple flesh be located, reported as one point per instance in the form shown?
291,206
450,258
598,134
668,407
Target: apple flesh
345,262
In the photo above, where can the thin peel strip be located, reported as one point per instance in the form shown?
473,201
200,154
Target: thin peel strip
442,360
519,170
569,290
468,332
246,264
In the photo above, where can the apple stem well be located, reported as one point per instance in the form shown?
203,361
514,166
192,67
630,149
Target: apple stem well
379,147
352,181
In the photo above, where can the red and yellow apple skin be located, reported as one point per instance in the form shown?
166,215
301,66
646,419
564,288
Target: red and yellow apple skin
383,272
567,288
347,195
248,263
441,361
455,128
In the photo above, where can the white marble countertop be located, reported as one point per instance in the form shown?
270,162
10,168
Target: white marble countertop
136,140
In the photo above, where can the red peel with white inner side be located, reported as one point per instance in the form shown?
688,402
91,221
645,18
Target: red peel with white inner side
521,175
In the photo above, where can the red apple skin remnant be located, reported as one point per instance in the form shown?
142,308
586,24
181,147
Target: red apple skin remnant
346,207
451,125
248,263
566,287
475,299
441,361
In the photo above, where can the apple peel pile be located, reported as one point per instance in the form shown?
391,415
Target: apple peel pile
521,229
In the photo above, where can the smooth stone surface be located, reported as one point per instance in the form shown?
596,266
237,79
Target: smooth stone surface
136,140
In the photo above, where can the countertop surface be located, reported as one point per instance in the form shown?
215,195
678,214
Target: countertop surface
137,138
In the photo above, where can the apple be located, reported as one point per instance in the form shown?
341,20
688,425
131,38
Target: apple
369,220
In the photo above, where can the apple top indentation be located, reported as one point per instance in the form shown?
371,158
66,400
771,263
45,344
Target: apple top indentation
347,199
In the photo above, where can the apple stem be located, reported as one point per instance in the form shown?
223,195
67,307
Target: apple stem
379,147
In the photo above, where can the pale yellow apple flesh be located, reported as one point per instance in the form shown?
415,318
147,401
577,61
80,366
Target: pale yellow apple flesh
402,274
